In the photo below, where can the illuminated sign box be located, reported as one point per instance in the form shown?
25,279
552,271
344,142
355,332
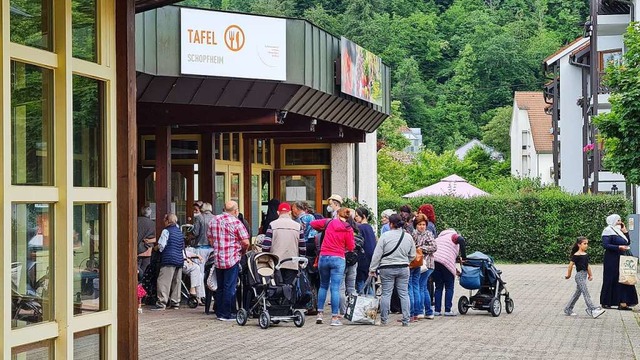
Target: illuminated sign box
232,45
360,72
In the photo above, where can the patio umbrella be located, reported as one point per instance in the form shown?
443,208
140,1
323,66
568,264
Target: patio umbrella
452,185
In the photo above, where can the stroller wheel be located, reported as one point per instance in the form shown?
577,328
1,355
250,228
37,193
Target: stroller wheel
241,317
192,302
463,305
298,320
264,320
496,307
508,305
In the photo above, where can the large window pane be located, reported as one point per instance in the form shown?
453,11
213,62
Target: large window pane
88,255
220,192
42,350
84,21
88,132
235,153
88,345
32,23
307,157
31,125
31,264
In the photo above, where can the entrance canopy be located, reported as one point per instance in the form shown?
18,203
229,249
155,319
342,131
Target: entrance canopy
180,82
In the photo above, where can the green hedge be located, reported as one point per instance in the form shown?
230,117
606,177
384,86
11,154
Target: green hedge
538,227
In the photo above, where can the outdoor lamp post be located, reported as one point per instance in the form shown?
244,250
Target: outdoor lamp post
614,189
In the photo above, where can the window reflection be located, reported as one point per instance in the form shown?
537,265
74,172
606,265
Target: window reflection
88,345
88,132
42,350
220,192
88,255
31,125
32,23
84,21
31,264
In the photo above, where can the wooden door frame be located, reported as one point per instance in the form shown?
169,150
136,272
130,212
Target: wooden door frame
310,172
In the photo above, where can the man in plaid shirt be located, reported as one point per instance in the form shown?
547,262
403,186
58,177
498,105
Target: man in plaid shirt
228,237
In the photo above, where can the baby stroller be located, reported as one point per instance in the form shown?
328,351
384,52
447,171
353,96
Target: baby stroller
265,296
479,273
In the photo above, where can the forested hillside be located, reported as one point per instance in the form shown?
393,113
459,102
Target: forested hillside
454,63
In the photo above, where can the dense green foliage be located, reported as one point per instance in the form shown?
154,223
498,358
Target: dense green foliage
539,227
396,178
452,61
620,128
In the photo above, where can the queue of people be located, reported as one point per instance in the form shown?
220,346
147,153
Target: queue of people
343,252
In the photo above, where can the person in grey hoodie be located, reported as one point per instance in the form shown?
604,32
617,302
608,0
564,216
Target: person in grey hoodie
391,258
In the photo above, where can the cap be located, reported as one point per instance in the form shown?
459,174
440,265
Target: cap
335,197
284,207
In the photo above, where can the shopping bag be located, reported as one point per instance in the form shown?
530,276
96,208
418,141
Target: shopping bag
628,270
212,280
363,308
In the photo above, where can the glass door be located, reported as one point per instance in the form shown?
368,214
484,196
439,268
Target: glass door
303,185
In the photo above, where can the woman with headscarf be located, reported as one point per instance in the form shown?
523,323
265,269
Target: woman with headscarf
272,214
615,240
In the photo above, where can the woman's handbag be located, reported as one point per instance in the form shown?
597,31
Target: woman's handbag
212,280
628,269
417,262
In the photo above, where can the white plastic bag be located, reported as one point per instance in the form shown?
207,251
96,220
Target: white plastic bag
212,280
363,308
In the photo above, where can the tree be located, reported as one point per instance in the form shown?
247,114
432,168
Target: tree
389,132
620,128
496,132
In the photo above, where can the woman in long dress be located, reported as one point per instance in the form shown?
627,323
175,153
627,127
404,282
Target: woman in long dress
615,240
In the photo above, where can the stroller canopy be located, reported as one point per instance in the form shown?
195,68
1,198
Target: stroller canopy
480,256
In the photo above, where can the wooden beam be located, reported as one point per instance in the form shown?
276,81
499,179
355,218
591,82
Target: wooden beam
205,169
156,114
144,5
163,175
246,185
126,138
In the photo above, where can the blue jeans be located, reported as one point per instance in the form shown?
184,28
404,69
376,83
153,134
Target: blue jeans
331,269
415,296
424,290
226,293
443,278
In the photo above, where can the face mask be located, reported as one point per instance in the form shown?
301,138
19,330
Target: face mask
329,209
618,227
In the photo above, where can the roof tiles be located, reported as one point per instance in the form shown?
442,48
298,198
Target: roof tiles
540,121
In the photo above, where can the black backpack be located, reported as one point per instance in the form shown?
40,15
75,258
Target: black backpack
351,257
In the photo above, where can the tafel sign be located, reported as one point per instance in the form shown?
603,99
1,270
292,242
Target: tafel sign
232,45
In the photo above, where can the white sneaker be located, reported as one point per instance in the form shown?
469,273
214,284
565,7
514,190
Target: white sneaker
429,317
421,316
436,313
570,313
597,312
450,313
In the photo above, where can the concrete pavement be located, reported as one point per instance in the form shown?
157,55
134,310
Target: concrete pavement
537,329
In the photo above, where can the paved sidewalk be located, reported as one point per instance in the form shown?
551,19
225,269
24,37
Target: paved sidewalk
537,329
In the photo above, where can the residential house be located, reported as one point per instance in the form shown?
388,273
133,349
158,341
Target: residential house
531,140
414,135
462,151
570,91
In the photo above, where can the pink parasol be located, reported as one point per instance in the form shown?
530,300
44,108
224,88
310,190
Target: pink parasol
452,185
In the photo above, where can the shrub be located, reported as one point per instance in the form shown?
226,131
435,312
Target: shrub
519,228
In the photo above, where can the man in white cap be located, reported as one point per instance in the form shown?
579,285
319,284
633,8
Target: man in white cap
335,202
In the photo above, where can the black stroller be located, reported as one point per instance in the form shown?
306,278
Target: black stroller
479,273
264,295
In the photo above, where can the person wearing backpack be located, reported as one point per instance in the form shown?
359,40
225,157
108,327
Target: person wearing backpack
391,258
336,238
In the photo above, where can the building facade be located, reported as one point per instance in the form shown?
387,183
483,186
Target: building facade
97,122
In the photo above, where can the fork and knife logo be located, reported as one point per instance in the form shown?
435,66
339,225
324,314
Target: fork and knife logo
234,38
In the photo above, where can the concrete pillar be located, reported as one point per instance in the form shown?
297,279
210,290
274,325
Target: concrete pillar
342,172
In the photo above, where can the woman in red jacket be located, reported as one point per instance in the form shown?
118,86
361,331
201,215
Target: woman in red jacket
337,239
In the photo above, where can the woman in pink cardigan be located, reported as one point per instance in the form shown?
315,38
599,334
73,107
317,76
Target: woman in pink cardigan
451,246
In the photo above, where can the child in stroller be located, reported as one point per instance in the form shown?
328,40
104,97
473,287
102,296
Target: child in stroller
265,296
479,273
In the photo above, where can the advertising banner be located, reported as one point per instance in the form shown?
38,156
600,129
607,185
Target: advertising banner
232,45
361,72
